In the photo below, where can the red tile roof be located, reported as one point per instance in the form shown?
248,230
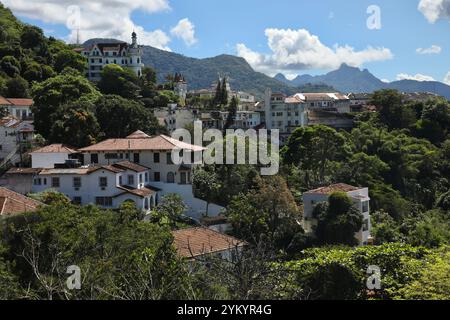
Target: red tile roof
157,143
55,148
196,242
127,165
21,102
340,187
12,203
144,192
4,101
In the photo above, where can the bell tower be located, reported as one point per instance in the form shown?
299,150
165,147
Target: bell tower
135,56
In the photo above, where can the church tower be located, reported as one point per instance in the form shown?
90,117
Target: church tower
135,56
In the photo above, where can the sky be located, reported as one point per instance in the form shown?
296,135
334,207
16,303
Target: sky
401,39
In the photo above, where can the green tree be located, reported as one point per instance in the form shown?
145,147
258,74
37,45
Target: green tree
76,126
119,117
170,210
52,94
16,88
338,221
205,186
393,112
232,110
10,66
268,213
119,81
69,58
315,151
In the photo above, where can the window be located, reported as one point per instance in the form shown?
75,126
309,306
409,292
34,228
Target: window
130,180
111,156
146,177
103,201
141,179
120,180
1,147
103,182
76,200
55,182
136,158
156,158
94,158
365,206
37,181
77,182
157,176
366,225
169,158
170,177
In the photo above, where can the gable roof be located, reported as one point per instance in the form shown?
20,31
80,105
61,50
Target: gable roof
4,101
194,242
156,143
13,203
55,148
339,187
21,102
127,165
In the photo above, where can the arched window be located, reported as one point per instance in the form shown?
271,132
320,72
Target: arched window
146,205
170,177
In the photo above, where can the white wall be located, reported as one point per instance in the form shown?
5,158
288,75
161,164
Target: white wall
196,207
47,160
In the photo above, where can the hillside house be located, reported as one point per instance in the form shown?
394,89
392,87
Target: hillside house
361,200
19,108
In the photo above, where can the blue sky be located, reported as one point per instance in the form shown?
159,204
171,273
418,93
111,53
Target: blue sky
210,27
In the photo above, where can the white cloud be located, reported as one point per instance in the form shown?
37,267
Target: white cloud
433,10
185,30
385,80
294,50
97,19
417,77
447,79
434,49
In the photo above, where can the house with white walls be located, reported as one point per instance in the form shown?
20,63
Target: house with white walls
77,173
359,196
155,152
16,137
48,156
18,107
107,186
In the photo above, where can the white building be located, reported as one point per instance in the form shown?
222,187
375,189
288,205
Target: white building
19,108
47,157
285,113
335,102
361,200
122,54
155,153
16,137
174,118
106,186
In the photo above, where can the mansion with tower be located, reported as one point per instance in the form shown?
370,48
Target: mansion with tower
120,53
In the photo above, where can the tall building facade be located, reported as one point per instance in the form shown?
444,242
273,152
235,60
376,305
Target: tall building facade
123,54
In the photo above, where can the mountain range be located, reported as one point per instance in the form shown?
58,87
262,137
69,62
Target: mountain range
202,73
350,79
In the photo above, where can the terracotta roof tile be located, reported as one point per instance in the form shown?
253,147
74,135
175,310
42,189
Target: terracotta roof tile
55,148
130,166
144,192
21,102
194,242
161,143
4,101
12,203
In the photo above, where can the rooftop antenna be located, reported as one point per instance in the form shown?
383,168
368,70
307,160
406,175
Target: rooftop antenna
78,36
